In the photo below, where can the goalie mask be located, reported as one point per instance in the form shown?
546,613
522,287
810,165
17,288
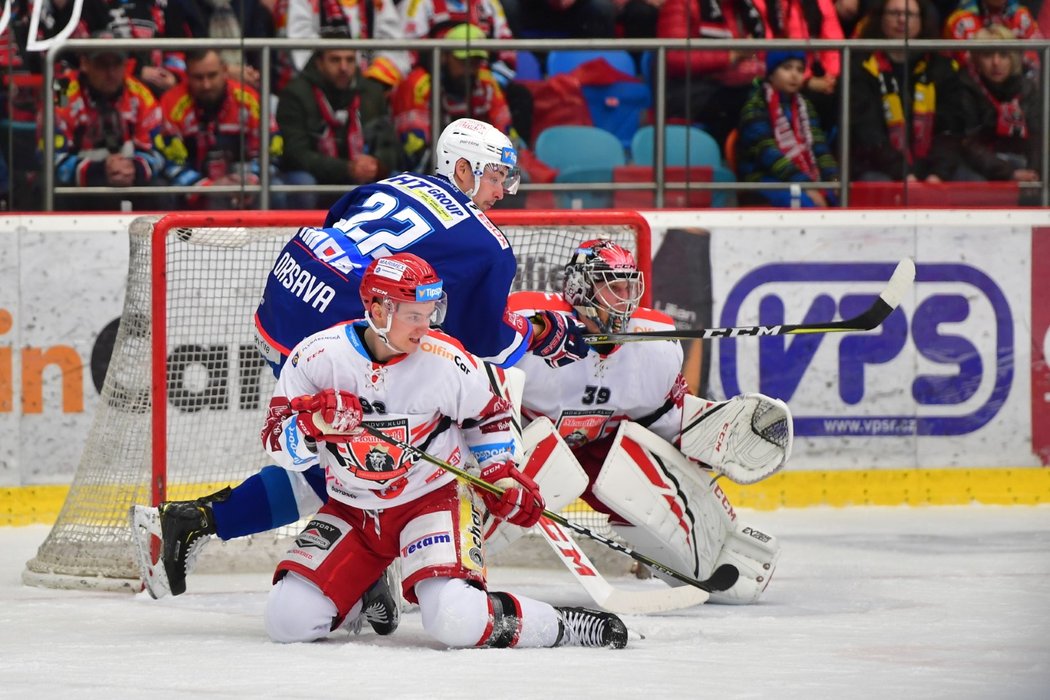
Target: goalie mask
486,148
602,280
402,277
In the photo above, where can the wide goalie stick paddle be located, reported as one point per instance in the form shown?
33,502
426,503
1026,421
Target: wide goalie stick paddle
722,579
607,596
899,284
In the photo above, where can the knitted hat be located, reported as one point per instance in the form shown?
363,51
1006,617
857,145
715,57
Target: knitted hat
467,33
775,58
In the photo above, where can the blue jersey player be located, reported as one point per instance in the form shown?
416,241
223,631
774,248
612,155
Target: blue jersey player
313,285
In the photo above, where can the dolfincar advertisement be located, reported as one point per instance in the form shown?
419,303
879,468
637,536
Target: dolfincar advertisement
946,382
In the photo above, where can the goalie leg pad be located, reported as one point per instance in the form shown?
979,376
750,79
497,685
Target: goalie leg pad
746,438
754,553
671,506
551,464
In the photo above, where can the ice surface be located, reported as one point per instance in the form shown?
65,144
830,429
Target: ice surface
945,602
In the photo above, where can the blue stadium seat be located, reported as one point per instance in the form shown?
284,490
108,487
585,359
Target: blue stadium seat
689,146
581,154
566,61
528,66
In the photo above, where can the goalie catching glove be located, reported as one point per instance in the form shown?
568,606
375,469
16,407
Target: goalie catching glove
521,502
747,438
560,342
331,415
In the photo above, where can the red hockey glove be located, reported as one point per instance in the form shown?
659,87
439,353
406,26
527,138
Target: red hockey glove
329,415
521,503
561,341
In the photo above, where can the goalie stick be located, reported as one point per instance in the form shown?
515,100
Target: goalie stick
888,300
607,596
722,579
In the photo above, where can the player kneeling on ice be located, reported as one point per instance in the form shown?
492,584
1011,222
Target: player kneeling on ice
384,504
625,414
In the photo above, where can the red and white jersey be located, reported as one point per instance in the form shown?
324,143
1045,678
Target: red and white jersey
438,399
588,399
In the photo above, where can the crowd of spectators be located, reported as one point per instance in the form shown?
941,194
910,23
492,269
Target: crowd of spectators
345,117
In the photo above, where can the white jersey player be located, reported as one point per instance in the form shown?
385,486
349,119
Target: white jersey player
385,504
625,412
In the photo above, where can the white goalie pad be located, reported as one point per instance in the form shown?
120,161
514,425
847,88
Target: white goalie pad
552,465
746,438
679,515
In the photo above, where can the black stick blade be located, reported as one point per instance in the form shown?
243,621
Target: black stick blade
723,578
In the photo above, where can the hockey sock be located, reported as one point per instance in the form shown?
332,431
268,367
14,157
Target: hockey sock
261,502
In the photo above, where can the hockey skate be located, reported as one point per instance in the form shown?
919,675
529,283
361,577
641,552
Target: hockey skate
381,604
583,627
182,527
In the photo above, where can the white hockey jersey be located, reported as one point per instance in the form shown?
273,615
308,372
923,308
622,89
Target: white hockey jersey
588,399
438,399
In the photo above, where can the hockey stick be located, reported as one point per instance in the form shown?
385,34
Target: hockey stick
899,284
569,553
722,579
603,593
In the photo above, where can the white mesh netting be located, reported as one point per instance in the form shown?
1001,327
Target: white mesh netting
217,384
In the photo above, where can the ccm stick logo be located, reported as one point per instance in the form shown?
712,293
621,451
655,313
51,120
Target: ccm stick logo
947,354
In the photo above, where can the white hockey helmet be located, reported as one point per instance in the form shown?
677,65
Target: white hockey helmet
483,146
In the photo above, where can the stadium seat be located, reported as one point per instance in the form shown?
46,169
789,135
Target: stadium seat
581,154
618,108
686,146
528,66
567,61
673,199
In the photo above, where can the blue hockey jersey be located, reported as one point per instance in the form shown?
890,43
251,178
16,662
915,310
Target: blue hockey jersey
314,282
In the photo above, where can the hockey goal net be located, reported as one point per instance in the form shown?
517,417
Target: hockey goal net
182,402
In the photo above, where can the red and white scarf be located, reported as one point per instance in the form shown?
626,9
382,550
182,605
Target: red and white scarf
348,120
1009,117
793,136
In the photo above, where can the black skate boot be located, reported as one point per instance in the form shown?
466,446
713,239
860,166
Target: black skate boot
380,606
184,527
583,627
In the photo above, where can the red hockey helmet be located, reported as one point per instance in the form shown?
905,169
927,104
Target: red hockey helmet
403,277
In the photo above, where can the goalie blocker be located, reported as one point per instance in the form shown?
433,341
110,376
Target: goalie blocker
677,515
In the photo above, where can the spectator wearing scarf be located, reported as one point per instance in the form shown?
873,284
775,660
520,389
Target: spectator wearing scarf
1001,115
905,105
780,139
336,124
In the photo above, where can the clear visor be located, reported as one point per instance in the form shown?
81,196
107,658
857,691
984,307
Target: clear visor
617,291
418,313
501,174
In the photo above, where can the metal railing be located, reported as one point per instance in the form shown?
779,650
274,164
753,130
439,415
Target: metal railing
265,47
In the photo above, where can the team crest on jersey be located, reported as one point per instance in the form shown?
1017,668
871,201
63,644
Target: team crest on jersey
371,459
580,427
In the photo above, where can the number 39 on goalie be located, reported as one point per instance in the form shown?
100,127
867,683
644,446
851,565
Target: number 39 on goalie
746,438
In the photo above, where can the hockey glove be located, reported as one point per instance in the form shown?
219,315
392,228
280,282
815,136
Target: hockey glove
561,341
521,502
330,415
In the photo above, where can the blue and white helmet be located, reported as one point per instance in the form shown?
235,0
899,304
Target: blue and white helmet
483,146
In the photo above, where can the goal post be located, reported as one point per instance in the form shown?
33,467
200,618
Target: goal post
184,395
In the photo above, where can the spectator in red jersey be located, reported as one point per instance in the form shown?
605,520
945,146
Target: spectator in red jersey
105,133
211,135
972,15
710,87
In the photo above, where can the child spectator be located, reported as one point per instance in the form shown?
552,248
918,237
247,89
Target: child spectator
780,138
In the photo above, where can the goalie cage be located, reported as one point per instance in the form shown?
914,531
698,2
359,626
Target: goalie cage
180,418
